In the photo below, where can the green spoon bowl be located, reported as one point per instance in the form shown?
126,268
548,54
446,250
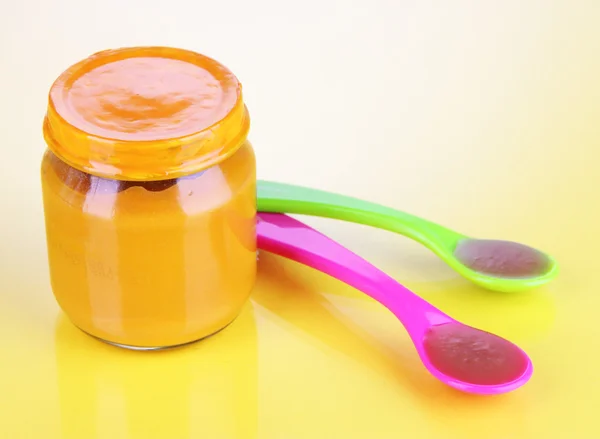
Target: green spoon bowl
496,265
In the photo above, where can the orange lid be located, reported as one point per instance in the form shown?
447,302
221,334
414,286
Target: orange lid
145,113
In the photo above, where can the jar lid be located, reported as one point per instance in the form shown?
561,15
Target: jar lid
145,113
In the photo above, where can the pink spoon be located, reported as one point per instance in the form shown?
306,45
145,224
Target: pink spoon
460,356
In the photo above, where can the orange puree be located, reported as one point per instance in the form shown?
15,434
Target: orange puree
149,192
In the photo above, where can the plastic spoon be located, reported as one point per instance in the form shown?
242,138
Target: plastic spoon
493,264
463,357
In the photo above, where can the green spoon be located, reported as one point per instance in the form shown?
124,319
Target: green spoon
493,264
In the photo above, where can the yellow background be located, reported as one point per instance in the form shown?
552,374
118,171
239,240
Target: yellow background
481,115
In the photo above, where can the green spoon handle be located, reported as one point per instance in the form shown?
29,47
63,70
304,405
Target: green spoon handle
286,198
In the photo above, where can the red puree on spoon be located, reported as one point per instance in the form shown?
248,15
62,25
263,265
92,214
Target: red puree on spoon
472,355
501,258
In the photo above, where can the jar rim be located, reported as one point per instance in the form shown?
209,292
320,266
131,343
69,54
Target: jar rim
145,157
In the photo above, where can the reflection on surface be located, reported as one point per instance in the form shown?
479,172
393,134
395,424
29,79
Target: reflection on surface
312,316
207,388
332,364
522,317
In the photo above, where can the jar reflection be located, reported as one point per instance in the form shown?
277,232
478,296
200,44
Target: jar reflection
206,390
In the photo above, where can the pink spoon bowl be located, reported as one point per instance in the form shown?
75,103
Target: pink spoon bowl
463,357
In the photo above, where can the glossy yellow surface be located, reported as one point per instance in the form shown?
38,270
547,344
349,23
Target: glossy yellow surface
480,115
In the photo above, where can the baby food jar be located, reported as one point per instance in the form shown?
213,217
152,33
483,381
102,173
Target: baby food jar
149,189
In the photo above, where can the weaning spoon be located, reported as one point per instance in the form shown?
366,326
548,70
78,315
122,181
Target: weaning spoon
493,264
463,357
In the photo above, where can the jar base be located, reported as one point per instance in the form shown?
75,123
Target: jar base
154,348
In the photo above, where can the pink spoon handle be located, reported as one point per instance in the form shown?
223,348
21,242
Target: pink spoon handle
282,235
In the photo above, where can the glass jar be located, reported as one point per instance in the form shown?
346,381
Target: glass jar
149,191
